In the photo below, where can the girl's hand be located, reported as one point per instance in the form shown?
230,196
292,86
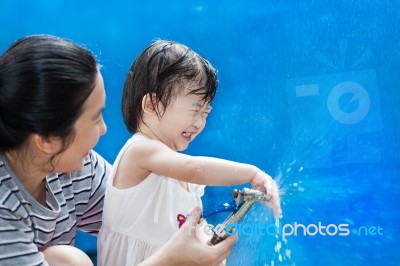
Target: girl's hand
264,183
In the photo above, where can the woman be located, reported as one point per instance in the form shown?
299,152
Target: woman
51,181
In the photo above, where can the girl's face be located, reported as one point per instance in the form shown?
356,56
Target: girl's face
183,120
89,127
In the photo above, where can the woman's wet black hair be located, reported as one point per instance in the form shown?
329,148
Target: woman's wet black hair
44,82
159,70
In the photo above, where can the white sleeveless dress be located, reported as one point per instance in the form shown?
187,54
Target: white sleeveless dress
140,219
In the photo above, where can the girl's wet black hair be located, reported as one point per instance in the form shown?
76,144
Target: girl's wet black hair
44,82
158,69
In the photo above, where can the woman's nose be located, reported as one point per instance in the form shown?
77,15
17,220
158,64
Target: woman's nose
103,128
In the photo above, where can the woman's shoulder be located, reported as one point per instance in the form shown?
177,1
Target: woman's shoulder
12,202
7,184
93,164
93,175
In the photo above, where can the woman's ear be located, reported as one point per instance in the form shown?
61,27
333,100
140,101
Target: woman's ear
47,145
149,104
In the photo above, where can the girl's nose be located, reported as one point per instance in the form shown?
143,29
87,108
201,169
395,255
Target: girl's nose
199,121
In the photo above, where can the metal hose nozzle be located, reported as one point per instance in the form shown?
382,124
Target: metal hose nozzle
244,200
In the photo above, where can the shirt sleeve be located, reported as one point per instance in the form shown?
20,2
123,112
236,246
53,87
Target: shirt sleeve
92,209
16,236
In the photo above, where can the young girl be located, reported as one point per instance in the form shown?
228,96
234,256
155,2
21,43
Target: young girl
165,105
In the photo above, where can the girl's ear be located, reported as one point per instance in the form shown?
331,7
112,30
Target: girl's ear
47,145
149,104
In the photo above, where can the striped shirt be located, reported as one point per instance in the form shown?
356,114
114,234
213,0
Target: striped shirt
73,201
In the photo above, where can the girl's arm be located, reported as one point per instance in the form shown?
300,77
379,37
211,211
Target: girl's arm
154,156
143,157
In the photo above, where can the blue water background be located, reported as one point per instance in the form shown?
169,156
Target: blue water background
309,91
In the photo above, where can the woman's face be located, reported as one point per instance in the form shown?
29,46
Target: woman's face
89,127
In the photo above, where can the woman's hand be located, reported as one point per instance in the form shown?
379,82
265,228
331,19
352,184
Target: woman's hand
184,248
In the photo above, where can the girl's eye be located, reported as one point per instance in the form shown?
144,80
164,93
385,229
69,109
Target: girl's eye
205,114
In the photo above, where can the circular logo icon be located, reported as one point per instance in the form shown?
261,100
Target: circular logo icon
359,95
